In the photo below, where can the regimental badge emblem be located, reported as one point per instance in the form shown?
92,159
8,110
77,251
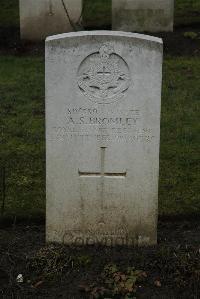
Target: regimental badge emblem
104,76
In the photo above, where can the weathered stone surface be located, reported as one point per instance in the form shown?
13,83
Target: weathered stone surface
41,18
103,96
143,15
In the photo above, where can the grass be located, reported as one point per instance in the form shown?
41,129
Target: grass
97,13
187,12
9,13
22,148
179,176
22,132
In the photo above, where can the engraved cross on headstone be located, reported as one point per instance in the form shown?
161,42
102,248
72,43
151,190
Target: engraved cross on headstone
102,174
104,72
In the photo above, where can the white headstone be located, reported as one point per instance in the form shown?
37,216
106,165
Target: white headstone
103,98
41,18
143,15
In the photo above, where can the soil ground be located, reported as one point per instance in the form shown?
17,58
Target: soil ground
54,271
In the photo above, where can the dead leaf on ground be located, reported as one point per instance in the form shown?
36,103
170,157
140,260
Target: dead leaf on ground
157,283
37,284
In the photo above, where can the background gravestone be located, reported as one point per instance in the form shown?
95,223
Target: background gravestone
103,94
41,18
143,15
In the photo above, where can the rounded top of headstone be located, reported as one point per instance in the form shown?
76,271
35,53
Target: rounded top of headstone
105,33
